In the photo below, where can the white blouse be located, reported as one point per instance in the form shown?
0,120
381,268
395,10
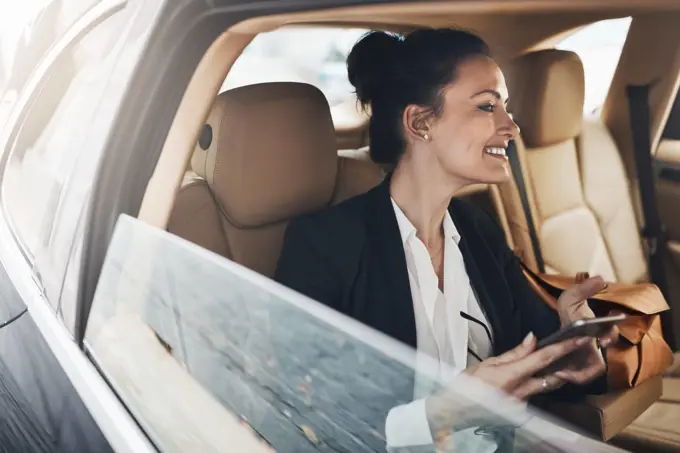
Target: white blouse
442,334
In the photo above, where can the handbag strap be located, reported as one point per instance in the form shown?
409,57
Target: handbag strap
642,298
537,284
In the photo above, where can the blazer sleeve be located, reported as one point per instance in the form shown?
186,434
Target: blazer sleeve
535,316
305,263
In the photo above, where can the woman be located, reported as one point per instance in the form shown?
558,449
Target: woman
413,262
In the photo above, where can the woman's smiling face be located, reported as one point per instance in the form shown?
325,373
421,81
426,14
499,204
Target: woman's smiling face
473,129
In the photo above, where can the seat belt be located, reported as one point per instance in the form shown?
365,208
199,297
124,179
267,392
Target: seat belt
518,175
653,232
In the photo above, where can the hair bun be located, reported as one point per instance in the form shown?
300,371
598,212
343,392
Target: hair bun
371,60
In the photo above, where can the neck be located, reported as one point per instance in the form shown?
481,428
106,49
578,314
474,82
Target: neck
424,195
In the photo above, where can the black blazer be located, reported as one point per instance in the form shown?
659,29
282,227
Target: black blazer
350,257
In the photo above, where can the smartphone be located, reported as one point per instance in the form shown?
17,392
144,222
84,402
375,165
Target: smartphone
582,328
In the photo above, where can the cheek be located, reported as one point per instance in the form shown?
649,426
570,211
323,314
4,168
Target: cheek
461,151
463,141
462,159
484,129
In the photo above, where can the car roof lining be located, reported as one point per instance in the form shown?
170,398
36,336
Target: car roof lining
496,21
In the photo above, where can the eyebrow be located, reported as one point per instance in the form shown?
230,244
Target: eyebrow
495,93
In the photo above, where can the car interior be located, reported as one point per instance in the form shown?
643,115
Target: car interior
238,165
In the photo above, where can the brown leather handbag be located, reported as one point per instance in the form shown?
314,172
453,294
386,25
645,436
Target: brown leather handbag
641,352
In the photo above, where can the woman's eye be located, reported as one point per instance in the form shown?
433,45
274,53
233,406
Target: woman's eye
487,108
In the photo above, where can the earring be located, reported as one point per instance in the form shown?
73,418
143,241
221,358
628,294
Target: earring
426,137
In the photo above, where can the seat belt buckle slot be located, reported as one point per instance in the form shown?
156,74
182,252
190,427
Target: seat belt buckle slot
651,245
651,241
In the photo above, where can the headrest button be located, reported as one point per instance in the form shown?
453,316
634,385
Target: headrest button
206,137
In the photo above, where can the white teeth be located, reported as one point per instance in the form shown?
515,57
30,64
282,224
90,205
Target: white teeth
495,151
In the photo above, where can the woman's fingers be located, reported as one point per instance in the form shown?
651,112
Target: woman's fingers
514,370
582,291
538,385
584,375
610,338
520,351
538,360
580,376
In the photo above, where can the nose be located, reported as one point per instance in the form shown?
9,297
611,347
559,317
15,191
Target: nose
509,129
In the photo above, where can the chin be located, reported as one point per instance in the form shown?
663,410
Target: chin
497,177
501,179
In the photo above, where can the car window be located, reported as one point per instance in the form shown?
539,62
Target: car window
51,164
599,45
312,55
206,353
672,129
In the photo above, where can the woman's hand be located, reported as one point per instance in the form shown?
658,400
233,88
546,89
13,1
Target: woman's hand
572,306
513,373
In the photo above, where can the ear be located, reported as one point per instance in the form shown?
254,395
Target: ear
415,123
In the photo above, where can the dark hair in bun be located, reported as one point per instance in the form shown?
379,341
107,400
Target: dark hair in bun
390,72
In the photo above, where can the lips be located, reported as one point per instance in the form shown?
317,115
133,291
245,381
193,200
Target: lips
495,151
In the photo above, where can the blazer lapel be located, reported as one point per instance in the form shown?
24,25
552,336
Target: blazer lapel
393,299
487,280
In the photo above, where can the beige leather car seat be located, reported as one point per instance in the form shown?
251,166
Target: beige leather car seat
581,202
267,154
575,177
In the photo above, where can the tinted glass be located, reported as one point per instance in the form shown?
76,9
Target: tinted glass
599,45
206,353
313,55
672,130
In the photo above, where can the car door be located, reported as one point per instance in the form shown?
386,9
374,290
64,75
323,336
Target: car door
51,397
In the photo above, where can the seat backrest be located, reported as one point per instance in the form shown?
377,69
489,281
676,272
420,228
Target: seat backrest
266,155
574,173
